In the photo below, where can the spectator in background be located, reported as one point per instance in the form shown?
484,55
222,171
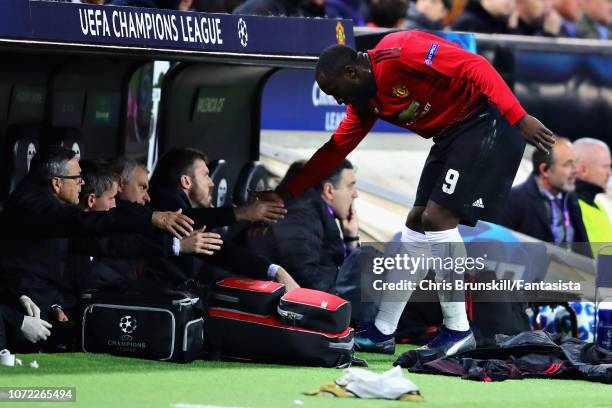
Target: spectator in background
388,13
596,20
428,14
593,172
288,8
537,17
570,12
309,241
349,9
544,206
487,16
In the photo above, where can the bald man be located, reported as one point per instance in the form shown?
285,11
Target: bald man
593,165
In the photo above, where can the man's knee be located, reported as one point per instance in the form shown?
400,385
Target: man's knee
413,221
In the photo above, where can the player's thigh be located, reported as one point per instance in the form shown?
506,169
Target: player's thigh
480,167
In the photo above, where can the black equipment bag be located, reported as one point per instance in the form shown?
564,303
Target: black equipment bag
233,334
248,295
315,310
167,326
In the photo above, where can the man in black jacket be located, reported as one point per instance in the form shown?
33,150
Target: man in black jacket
40,216
545,206
309,241
181,181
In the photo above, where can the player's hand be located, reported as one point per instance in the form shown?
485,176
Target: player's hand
174,223
59,314
201,243
261,211
536,133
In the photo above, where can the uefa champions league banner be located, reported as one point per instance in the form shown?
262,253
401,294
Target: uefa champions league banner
154,28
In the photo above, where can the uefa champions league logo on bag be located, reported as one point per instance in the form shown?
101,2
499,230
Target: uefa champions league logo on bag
127,324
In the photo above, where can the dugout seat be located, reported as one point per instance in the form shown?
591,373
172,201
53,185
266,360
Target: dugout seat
27,143
219,174
252,177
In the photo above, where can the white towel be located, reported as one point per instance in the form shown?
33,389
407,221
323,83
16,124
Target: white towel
366,384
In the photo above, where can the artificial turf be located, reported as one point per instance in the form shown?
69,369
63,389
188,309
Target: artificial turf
106,381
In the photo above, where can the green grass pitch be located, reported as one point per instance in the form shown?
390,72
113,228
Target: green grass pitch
105,381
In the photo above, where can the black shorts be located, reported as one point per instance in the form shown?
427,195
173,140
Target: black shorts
470,169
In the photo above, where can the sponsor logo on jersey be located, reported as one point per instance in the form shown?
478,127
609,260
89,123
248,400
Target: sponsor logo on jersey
340,34
400,90
433,49
409,113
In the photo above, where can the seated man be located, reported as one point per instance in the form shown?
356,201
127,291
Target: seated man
42,215
308,241
181,181
545,206
129,250
593,172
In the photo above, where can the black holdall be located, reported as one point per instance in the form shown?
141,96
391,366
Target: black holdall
248,295
166,326
238,335
315,310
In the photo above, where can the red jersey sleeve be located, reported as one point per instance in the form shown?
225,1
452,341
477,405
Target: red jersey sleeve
353,128
450,60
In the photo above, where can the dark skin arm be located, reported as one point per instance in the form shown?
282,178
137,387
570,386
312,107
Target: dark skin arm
536,133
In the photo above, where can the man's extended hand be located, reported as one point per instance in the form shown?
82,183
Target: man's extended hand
282,276
202,243
59,314
278,196
175,223
261,211
536,133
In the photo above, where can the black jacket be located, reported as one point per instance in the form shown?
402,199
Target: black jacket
34,246
307,242
174,272
476,19
525,212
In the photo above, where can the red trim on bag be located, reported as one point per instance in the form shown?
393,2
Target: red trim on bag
554,367
314,298
250,284
268,321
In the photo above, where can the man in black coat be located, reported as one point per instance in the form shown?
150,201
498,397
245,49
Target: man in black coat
320,230
545,206
42,214
181,181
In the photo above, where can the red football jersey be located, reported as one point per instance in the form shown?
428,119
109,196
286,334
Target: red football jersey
423,83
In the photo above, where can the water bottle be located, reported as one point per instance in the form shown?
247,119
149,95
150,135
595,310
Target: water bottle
604,326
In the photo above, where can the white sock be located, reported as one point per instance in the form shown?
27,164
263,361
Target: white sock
455,316
390,309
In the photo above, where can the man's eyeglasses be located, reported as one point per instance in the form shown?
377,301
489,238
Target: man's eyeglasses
77,177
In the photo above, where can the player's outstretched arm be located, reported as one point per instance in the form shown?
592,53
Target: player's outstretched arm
536,133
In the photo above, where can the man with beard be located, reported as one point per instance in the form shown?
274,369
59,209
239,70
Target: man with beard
181,181
545,206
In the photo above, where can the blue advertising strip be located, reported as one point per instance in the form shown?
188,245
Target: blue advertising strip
292,100
144,27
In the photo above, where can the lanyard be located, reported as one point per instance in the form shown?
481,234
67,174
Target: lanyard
564,214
